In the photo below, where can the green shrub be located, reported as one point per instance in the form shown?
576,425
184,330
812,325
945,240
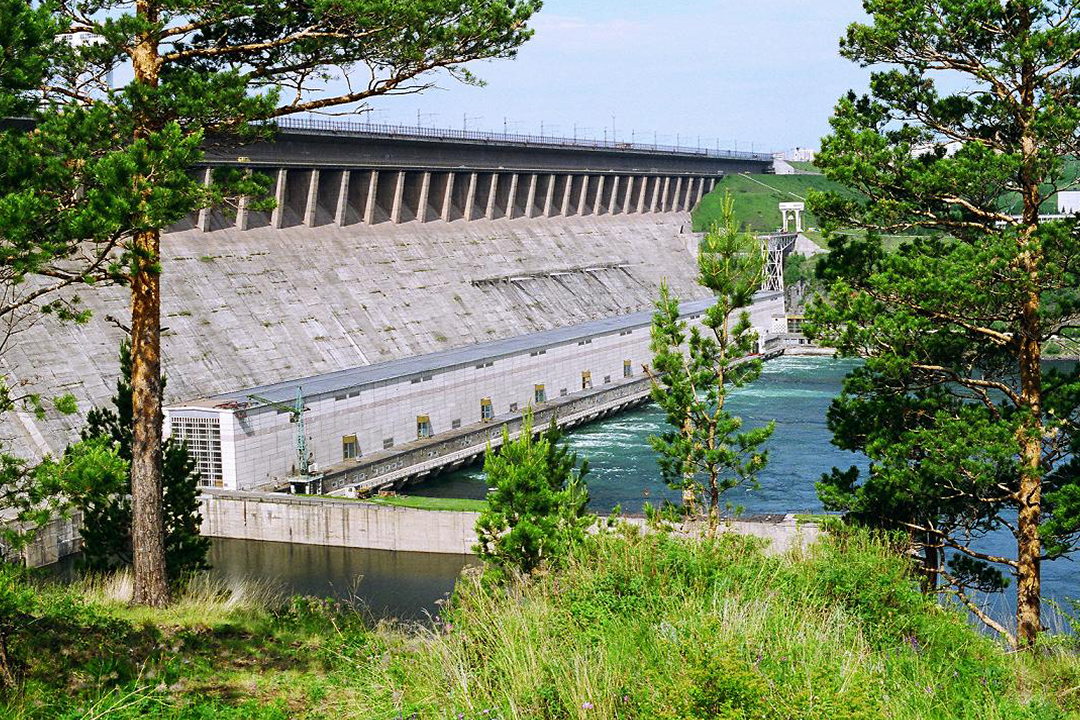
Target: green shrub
536,509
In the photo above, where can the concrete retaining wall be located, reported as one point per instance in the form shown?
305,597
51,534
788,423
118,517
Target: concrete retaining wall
357,524
52,543
339,523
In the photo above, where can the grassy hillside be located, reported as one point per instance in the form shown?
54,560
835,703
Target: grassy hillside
634,627
757,198
804,166
1010,202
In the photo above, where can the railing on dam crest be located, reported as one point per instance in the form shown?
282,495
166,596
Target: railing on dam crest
321,125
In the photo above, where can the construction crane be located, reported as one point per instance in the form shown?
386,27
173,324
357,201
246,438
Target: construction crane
296,415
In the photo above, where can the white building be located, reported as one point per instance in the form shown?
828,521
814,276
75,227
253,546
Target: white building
1068,202
244,443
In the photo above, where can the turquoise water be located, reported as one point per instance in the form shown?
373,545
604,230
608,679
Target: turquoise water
793,391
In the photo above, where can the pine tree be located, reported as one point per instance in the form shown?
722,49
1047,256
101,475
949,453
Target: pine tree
693,372
106,505
117,163
967,432
536,508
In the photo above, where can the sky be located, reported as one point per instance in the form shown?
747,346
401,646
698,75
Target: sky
744,74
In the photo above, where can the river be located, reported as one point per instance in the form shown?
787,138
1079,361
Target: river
793,391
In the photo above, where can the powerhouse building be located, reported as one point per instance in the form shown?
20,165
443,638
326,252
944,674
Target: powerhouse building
246,440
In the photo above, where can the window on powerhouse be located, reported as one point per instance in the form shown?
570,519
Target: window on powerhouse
627,369
423,426
350,448
586,380
539,395
486,411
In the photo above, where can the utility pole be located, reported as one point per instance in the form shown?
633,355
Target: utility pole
465,118
613,128
368,112
420,116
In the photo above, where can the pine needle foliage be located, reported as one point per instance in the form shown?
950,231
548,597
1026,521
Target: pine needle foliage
967,431
536,505
706,452
100,172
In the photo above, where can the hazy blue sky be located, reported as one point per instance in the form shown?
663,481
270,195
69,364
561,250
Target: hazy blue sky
765,72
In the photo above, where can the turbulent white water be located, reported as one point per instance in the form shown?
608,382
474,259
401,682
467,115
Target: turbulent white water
793,391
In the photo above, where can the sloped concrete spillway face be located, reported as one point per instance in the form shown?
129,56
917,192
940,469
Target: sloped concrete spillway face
351,268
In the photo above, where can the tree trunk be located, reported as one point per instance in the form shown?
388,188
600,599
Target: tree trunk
930,564
147,523
714,506
1029,495
1029,356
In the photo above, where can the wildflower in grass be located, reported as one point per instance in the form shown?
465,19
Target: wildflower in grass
586,705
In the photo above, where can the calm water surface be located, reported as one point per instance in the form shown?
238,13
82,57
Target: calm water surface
404,585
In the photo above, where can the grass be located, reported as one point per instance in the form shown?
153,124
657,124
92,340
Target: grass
1010,202
417,501
429,503
804,166
757,198
632,627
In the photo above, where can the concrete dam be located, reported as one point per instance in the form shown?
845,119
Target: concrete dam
417,286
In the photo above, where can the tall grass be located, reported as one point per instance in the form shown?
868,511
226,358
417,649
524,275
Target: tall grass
633,626
202,599
655,627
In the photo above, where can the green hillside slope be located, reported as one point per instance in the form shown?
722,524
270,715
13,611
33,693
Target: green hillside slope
757,198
